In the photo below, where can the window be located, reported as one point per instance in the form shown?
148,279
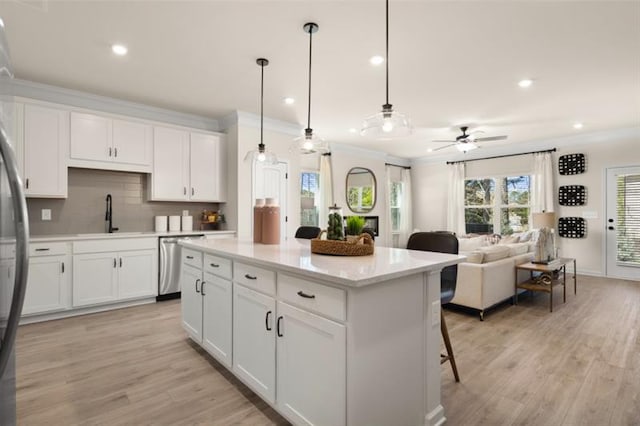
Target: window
497,205
628,217
309,197
395,198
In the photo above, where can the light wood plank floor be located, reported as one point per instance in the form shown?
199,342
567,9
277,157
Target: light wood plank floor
579,365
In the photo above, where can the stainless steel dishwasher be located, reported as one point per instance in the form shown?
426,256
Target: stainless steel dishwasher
169,280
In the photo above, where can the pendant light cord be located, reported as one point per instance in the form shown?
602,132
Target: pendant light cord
261,100
309,104
387,52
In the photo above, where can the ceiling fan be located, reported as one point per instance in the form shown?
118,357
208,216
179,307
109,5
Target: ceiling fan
467,141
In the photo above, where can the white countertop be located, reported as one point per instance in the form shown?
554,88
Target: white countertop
104,235
351,271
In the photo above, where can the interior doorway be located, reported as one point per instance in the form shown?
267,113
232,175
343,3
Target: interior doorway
270,181
622,222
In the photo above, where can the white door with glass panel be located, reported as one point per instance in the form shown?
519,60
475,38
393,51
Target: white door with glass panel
622,222
270,181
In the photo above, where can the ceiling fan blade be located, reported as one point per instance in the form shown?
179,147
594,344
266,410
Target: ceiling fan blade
444,147
442,141
491,138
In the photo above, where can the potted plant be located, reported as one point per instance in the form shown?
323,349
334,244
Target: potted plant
355,224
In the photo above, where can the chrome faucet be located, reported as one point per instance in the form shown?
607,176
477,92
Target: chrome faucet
108,217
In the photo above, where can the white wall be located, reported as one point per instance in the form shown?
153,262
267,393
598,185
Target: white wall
617,148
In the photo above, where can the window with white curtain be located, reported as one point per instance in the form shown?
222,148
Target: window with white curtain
309,195
395,205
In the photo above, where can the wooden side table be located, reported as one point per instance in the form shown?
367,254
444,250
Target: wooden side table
557,266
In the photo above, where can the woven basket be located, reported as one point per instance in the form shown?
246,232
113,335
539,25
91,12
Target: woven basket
362,246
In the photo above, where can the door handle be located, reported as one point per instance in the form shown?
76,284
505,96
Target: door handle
266,321
611,228
202,288
278,327
197,281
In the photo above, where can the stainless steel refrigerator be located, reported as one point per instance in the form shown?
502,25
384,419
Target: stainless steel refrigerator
14,240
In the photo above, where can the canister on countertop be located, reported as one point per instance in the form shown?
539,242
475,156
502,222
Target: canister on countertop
187,223
257,220
174,223
161,224
271,222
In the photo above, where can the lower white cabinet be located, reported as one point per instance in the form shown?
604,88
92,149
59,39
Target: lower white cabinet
311,367
206,311
114,276
48,284
254,344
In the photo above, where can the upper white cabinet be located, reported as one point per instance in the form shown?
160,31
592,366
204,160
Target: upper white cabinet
187,166
46,140
107,143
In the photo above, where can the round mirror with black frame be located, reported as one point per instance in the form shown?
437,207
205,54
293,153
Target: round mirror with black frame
360,190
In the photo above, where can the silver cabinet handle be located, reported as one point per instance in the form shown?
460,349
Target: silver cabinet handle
21,223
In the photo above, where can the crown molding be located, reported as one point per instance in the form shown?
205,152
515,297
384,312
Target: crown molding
247,119
76,98
561,142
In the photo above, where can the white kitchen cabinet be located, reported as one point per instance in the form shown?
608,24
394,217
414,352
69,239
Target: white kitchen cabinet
137,274
95,278
106,143
216,317
46,141
187,166
7,271
191,301
170,174
48,284
311,365
254,343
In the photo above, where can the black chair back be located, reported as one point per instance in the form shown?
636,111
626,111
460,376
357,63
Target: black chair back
307,232
440,242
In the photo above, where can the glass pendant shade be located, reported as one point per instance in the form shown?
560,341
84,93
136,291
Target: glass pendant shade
387,124
261,154
309,144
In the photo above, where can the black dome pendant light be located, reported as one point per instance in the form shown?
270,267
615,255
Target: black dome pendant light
387,124
261,154
309,143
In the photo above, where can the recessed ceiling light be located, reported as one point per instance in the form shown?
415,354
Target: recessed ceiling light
525,83
119,49
578,125
352,130
376,60
289,101
429,149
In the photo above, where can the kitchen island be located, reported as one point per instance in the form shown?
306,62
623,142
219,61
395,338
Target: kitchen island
325,340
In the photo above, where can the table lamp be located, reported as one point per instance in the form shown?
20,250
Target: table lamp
545,249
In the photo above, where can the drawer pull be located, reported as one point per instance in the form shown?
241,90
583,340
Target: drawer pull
42,249
202,288
266,321
250,277
115,263
305,295
63,267
278,327
214,265
197,281
189,257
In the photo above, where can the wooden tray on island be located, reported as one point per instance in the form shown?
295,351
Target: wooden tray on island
362,245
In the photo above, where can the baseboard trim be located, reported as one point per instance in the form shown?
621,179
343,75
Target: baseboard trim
435,417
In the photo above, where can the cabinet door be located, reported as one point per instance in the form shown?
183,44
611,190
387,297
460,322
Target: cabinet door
137,274
46,138
191,301
254,345
48,284
132,142
216,317
311,368
95,278
205,165
90,137
6,290
170,176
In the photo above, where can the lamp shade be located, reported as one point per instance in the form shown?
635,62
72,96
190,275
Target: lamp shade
544,220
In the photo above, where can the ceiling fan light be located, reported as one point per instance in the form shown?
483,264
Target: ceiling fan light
466,146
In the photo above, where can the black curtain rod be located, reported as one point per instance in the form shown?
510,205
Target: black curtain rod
395,165
325,154
502,156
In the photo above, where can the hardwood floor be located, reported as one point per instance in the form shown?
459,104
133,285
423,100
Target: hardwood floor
579,365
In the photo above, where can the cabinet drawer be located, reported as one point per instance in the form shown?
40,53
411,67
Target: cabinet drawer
192,257
254,277
47,249
114,244
320,298
218,266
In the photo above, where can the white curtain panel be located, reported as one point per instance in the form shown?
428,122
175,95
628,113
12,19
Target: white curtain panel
388,229
542,188
406,219
455,201
326,190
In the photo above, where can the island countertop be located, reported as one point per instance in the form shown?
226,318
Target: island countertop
295,256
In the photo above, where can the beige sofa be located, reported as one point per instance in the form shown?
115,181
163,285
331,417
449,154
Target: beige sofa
487,278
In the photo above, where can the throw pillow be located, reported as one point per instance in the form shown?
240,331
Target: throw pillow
475,257
493,253
517,248
470,244
509,239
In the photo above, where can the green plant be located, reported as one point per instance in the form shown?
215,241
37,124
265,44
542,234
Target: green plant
355,224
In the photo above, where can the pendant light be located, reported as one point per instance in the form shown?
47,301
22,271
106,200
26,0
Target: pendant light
261,154
387,124
309,143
